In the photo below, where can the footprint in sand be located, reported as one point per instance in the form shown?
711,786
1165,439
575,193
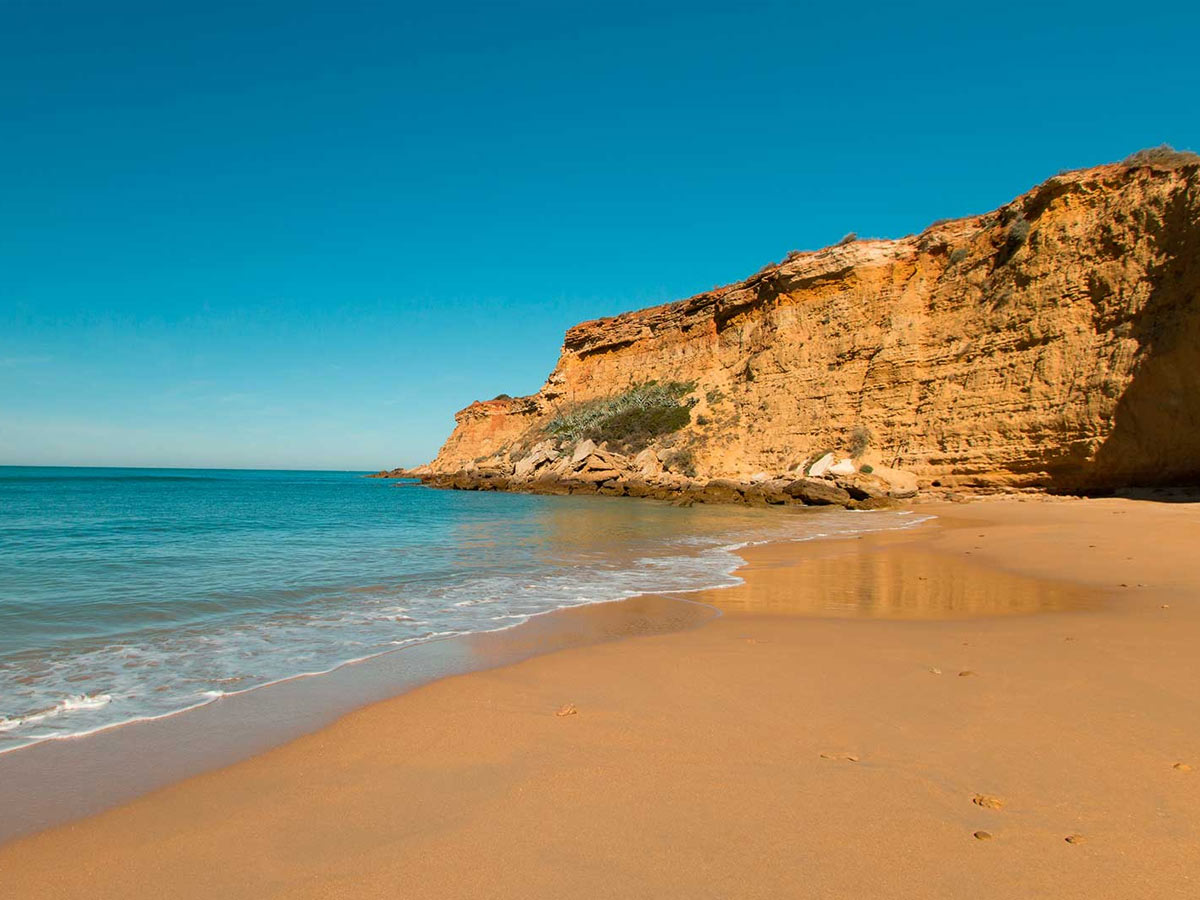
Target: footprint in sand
987,801
848,757
567,710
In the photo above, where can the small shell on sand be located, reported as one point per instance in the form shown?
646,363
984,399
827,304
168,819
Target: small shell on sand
987,801
983,835
849,757
567,709
1182,767
1074,839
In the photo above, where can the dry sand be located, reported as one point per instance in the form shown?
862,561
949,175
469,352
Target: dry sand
821,739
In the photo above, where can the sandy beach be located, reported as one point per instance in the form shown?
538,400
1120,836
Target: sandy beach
998,704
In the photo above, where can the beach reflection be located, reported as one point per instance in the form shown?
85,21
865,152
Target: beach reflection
872,579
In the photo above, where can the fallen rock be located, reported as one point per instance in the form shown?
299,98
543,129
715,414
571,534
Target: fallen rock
774,490
841,467
583,450
539,456
870,503
647,463
721,490
821,466
636,487
597,476
861,486
901,485
549,483
754,495
816,492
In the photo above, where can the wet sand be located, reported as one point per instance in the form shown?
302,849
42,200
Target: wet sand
57,781
1021,671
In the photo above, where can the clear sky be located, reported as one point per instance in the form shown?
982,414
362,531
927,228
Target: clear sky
298,234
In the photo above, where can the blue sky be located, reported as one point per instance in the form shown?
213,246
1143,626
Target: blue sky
304,234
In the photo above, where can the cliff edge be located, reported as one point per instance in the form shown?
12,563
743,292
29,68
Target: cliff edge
1053,343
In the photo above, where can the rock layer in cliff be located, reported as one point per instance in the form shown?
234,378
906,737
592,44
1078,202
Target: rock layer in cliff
1054,342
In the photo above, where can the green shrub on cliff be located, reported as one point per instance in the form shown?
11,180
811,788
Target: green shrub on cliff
860,440
1163,156
681,462
628,421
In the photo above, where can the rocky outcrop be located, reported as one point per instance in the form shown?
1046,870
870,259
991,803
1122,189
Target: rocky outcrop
590,469
1053,343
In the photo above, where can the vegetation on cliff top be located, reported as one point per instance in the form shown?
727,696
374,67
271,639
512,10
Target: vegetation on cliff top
1163,155
628,421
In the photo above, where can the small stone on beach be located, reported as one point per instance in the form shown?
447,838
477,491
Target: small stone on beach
965,672
848,757
987,801
935,671
567,710
1182,767
983,835
1074,839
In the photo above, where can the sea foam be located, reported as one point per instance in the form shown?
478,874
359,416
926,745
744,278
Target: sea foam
126,599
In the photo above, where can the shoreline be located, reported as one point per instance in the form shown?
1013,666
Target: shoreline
824,658
256,719
691,576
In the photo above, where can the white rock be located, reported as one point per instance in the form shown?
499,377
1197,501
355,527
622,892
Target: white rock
821,466
842,467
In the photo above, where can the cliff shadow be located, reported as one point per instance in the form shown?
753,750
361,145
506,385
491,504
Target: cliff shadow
1155,438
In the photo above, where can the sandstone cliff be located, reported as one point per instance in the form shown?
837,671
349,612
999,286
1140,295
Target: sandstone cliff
1053,343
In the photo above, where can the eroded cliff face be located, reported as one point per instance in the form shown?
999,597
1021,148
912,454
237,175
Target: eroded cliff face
1054,342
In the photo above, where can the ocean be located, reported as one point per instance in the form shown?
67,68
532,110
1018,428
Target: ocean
132,594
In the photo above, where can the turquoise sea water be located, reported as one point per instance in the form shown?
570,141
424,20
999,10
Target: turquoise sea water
134,593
